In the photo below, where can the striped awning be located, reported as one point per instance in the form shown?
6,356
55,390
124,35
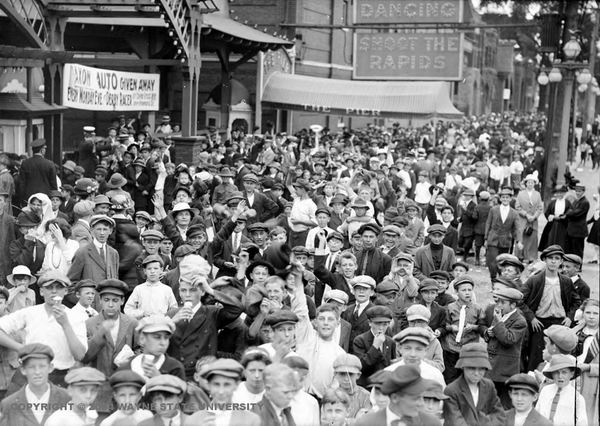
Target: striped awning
413,99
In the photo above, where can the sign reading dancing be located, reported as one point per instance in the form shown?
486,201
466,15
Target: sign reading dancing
408,11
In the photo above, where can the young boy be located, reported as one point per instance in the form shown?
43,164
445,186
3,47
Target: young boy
363,288
8,357
523,391
85,291
83,386
151,240
505,337
313,241
560,402
154,335
165,393
443,279
126,386
433,399
464,324
36,365
20,295
347,370
472,398
151,297
278,234
335,408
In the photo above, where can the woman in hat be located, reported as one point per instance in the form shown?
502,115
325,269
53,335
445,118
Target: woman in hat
555,231
529,206
40,205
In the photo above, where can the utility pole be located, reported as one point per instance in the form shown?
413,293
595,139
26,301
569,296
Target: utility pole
590,97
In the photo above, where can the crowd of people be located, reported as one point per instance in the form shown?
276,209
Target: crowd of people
315,278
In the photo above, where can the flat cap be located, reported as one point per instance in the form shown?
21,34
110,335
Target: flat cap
87,283
369,227
523,381
360,203
153,258
439,274
335,235
347,363
437,228
379,313
563,337
101,218
296,362
126,378
418,312
250,177
35,350
323,211
336,295
404,256
28,219
484,195
428,284
112,286
507,293
392,229
156,323
152,234
553,250
461,264
54,276
194,230
572,258
300,250
414,334
339,199
223,367
506,259
85,376
281,317
468,192
405,379
257,227
363,281
302,183
387,286
166,383
465,279
183,250
434,390
38,143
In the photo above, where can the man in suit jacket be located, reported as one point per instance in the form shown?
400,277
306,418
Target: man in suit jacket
196,327
371,260
241,170
81,231
523,390
281,384
96,261
415,229
404,386
374,348
540,287
467,216
27,250
505,337
501,230
36,365
265,207
434,256
363,288
576,223
37,174
229,239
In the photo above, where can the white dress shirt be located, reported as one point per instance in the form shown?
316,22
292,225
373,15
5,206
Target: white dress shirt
521,417
570,409
390,417
504,210
81,314
35,402
243,396
305,409
150,299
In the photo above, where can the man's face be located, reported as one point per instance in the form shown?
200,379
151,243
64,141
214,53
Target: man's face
83,395
183,218
153,271
322,220
505,199
101,232
447,215
335,245
361,293
259,237
570,269
111,304
275,291
36,371
127,398
326,323
429,295
356,241
259,274
221,388
404,266
473,375
413,352
52,290
155,343
360,211
390,239
56,202
379,327
505,306
346,380
151,245
553,262
102,209
334,414
249,187
182,196
165,404
436,238
253,373
369,239
412,212
579,193
280,394
189,293
338,207
86,296
285,333
166,246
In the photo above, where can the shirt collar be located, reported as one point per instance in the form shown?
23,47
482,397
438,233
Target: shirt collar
98,244
31,396
175,420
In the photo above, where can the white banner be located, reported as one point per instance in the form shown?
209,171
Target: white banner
106,90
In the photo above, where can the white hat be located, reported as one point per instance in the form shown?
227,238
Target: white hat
89,129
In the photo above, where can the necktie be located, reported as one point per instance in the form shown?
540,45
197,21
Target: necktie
355,314
462,317
554,405
286,417
365,263
89,312
102,254
236,241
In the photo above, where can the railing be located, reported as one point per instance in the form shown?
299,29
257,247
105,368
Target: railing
29,15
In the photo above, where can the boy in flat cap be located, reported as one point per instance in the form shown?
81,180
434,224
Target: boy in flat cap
126,391
223,376
505,338
36,365
83,386
523,391
165,393
151,240
50,323
85,291
375,348
363,288
571,267
433,399
473,400
405,388
347,370
281,383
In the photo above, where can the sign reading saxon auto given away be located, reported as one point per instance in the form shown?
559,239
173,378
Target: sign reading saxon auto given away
408,11
106,90
408,56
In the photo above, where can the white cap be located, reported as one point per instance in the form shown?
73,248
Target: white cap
89,129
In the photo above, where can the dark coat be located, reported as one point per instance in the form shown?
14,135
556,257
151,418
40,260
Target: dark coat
372,359
534,418
23,416
436,321
459,409
265,208
345,331
222,249
533,289
502,234
468,219
379,264
36,175
483,211
335,280
359,325
266,411
170,366
7,236
554,232
577,218
197,337
504,348
87,158
424,264
239,177
142,183
21,253
379,418
87,264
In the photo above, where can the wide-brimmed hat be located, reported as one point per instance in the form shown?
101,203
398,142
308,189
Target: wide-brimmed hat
20,270
28,219
226,172
474,355
181,207
360,203
560,361
116,181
